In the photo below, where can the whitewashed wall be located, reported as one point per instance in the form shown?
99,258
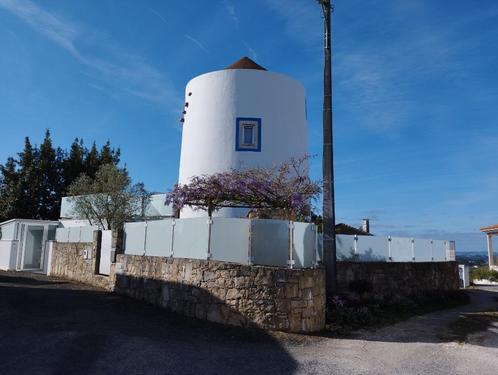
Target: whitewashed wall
216,100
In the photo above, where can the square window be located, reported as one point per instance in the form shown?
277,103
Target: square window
248,134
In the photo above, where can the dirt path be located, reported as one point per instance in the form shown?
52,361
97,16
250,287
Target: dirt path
50,326
463,340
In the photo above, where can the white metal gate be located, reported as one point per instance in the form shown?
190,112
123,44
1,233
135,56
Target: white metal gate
105,252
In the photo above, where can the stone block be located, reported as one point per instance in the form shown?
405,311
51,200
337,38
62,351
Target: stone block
291,290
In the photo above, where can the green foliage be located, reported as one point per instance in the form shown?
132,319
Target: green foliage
484,273
109,199
360,287
346,314
32,185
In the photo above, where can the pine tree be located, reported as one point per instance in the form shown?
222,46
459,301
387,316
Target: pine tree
50,186
92,163
9,189
27,202
74,163
108,155
32,185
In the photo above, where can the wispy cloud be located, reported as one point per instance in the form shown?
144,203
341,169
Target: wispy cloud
159,15
251,51
301,18
379,77
196,42
123,71
231,11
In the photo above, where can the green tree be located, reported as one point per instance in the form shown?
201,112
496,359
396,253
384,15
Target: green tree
74,163
48,173
92,163
32,185
108,200
26,201
9,189
108,155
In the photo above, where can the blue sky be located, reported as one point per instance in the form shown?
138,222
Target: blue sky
415,92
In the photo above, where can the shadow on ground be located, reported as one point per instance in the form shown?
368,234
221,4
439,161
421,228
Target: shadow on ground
59,329
475,323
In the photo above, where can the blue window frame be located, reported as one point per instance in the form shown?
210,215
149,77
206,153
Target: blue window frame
248,134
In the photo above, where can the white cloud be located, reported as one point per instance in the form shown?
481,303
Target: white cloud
159,15
196,42
121,70
231,11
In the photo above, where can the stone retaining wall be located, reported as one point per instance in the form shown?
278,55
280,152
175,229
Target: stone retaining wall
267,297
384,279
69,261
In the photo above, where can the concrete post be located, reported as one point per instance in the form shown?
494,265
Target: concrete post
490,250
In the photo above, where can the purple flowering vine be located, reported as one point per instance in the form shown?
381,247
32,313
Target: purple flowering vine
285,189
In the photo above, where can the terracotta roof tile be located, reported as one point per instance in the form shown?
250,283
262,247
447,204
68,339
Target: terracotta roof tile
245,63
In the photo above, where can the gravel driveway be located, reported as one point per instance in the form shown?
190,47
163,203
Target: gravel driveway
50,326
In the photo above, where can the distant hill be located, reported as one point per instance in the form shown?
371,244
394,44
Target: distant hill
472,258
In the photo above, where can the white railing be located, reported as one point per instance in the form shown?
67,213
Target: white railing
75,234
393,249
265,242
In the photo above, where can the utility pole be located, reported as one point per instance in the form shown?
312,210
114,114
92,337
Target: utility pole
329,245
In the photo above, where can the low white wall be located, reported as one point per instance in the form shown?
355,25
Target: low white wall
8,255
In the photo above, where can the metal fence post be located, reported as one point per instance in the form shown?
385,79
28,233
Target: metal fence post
145,238
290,261
250,259
171,250
210,224
355,247
389,248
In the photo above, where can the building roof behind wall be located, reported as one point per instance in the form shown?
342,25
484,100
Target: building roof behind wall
342,228
490,229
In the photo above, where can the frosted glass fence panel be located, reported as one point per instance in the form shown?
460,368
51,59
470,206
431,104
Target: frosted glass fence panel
270,242
303,245
62,234
8,255
134,238
344,247
422,250
86,234
439,250
191,238
74,234
372,249
159,238
230,240
401,249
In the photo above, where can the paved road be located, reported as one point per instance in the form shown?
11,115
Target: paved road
48,326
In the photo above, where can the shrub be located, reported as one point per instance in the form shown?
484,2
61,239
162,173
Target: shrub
484,273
